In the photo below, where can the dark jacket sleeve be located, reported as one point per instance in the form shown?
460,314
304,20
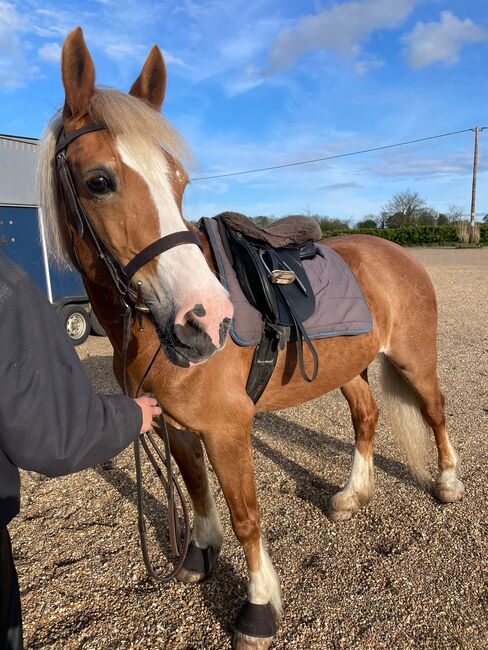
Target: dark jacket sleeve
50,419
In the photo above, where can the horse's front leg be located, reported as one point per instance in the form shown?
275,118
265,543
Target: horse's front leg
231,457
206,539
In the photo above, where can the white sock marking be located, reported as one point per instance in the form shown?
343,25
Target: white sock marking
264,586
207,530
361,478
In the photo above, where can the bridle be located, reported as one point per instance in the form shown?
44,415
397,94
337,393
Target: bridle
121,275
133,304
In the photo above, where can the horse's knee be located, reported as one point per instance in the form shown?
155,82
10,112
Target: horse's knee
247,530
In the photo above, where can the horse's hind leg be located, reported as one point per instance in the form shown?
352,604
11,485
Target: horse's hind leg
447,487
206,540
418,373
359,488
231,457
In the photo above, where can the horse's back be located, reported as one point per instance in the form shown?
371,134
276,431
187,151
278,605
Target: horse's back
382,265
373,251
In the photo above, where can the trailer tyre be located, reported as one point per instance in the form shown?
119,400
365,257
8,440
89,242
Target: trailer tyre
77,323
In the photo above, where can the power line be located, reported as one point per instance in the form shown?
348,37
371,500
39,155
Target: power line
340,155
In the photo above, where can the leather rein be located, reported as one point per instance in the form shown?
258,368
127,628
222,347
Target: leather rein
131,299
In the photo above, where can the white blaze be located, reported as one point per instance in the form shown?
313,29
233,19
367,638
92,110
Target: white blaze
184,267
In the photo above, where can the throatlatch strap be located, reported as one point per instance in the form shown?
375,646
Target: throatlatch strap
160,246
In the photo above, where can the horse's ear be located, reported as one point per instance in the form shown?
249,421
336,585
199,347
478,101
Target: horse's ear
78,74
150,85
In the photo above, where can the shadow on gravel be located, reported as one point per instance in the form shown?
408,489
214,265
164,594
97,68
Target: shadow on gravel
282,429
224,590
309,486
155,511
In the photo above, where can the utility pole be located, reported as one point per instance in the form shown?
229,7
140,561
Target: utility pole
475,173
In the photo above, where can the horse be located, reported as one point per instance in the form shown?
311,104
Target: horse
129,175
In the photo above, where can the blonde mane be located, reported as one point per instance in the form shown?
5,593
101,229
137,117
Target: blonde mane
123,115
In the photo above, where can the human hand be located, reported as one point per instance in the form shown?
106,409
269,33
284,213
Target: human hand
150,410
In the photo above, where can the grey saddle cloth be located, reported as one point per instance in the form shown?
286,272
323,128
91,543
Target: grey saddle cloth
340,306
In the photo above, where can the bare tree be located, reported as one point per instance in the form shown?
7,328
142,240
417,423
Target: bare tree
262,220
405,209
455,213
330,223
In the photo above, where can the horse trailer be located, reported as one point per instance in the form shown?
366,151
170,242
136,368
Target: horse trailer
22,238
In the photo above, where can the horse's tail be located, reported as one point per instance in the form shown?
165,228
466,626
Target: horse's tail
411,431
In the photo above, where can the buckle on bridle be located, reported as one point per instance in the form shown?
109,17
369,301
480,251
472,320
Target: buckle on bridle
140,307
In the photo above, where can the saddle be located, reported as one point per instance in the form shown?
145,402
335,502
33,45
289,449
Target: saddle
268,265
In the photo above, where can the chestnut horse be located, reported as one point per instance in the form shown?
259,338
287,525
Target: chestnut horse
130,178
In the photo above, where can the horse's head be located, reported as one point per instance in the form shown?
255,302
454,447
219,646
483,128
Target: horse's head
130,179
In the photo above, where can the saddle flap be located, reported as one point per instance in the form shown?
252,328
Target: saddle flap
296,296
257,265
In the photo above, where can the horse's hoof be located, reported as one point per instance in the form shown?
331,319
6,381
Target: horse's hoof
198,565
255,627
342,506
245,642
448,488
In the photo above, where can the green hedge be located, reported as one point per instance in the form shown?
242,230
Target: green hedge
412,235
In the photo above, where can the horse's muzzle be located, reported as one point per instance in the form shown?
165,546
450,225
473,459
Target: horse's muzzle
189,344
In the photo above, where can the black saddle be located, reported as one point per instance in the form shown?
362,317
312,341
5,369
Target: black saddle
268,265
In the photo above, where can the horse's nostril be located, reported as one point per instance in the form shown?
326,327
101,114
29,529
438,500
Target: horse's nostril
198,310
191,333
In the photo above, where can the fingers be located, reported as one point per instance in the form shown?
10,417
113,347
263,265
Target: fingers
150,410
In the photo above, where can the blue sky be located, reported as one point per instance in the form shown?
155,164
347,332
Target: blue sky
253,84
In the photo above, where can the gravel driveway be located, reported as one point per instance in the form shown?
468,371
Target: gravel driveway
405,573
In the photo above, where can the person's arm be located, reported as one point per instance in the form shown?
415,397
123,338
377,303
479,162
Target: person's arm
50,419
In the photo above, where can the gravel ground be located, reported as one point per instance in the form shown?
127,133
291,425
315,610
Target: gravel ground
405,573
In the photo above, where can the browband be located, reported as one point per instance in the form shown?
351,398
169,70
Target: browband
65,140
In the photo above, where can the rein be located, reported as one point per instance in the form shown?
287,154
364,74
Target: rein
121,277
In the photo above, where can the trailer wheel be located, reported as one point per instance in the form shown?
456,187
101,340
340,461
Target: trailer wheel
77,323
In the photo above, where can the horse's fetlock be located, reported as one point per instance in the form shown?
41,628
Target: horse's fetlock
447,487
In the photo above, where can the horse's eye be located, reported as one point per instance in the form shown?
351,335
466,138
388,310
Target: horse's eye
99,183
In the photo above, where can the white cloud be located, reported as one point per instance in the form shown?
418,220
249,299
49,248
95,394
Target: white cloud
341,29
362,67
173,60
50,52
132,51
405,164
334,187
123,50
14,67
433,42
